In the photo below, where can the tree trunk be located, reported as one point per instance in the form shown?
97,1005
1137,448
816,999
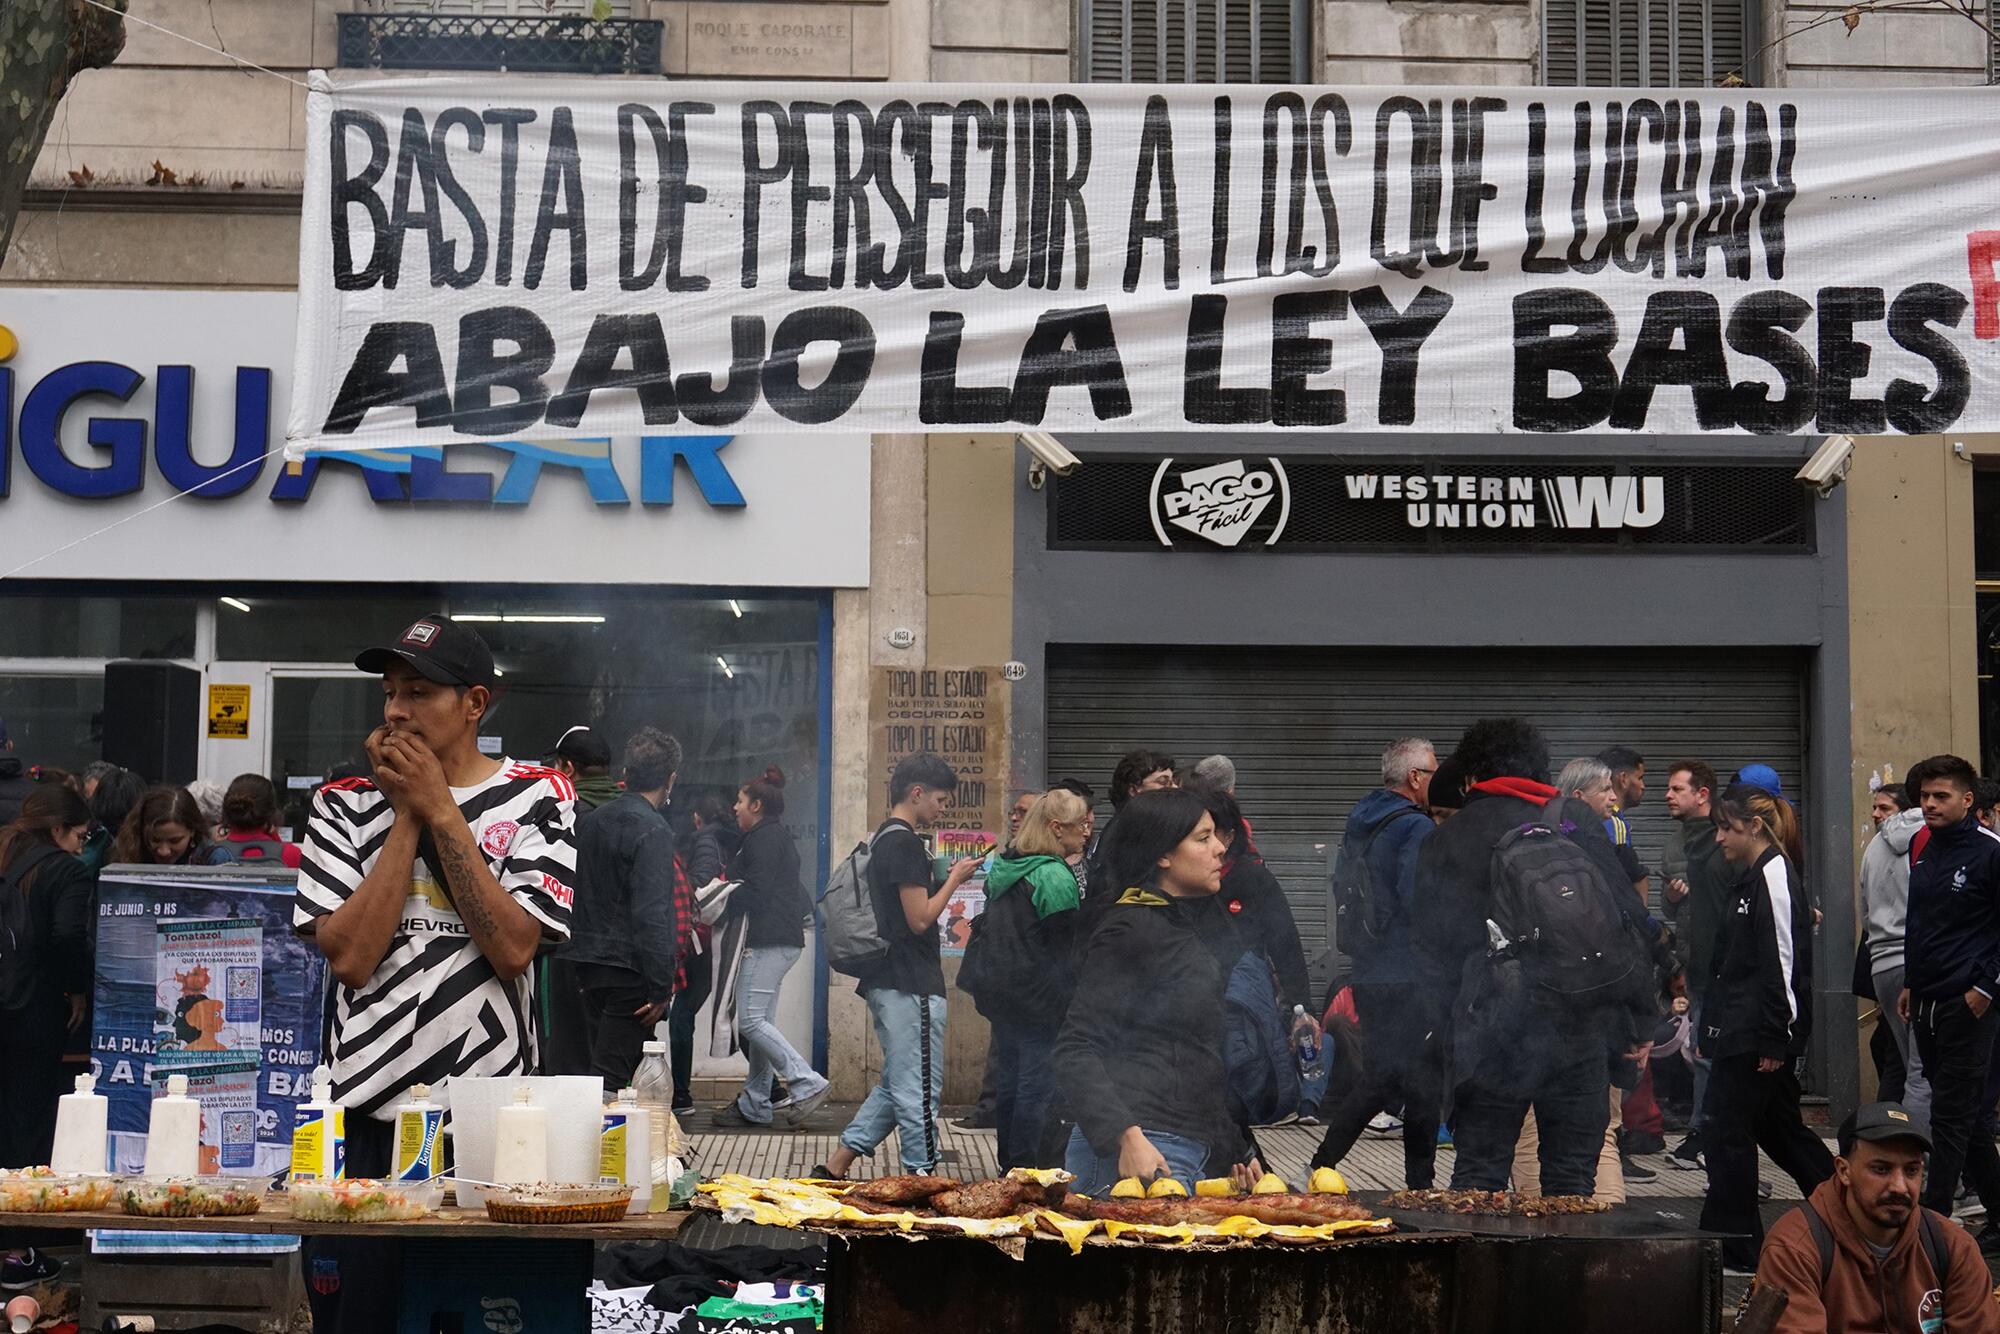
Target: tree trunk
43,45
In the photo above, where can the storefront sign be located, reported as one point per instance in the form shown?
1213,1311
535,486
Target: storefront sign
1302,503
955,712
115,401
487,258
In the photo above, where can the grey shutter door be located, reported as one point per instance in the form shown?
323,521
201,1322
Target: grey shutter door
1196,41
1645,43
1307,728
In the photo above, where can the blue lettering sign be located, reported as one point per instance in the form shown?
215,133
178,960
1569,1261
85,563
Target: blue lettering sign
415,475
41,431
656,469
173,433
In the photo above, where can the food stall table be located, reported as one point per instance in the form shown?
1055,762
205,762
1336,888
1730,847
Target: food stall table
457,1261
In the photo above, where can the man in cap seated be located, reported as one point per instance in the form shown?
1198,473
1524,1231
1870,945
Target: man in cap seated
1863,1254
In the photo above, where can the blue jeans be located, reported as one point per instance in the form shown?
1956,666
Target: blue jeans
757,983
1024,1085
911,1031
1096,1176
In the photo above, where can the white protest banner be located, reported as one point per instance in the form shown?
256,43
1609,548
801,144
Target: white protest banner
493,258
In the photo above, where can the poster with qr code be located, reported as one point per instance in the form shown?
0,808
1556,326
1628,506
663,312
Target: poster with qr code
209,984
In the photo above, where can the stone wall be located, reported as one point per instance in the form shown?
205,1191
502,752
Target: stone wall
1490,42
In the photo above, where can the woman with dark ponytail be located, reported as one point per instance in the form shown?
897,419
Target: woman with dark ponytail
1756,1020
769,906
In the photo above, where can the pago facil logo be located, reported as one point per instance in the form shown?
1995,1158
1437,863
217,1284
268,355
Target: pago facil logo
1222,503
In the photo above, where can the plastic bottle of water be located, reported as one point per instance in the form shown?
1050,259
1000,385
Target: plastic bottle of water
654,1083
1306,1042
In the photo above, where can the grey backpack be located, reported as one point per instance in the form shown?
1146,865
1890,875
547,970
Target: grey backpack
848,927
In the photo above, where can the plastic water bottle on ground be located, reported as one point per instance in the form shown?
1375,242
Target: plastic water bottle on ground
1306,1042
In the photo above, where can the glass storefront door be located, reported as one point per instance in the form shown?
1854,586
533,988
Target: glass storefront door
300,724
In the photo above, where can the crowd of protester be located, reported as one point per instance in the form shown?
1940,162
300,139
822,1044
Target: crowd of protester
1511,988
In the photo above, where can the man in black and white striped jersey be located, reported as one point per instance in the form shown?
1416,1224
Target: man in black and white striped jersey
430,887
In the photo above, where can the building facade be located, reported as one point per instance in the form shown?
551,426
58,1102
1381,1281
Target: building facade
1745,620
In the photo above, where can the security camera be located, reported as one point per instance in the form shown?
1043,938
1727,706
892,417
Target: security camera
1050,457
1828,465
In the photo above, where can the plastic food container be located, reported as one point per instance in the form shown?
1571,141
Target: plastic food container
364,1201
38,1190
550,1203
193,1197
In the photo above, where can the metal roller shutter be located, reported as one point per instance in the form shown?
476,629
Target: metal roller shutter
1306,727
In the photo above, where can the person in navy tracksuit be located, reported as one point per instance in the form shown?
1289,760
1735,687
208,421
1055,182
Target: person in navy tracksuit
1952,973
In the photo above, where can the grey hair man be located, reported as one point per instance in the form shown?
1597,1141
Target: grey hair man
1375,889
1407,766
1217,773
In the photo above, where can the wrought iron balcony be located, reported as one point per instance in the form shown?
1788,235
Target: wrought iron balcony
535,44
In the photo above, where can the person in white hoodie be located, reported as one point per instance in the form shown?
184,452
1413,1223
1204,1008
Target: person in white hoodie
1885,901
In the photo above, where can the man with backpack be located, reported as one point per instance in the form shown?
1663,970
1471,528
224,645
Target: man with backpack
1862,1254
1374,885
904,983
1518,937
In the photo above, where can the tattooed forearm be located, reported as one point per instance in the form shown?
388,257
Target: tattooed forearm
502,929
466,891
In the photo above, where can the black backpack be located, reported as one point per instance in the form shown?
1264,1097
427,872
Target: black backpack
1930,1234
18,946
1012,970
1556,914
255,851
1257,1053
1362,913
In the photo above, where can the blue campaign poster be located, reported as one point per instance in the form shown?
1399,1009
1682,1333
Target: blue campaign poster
180,952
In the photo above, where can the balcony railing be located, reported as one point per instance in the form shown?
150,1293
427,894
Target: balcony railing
537,44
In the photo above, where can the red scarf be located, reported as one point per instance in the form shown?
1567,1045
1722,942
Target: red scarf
1525,789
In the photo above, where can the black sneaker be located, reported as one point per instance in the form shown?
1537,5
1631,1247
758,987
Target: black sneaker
682,1106
1763,1190
730,1116
1638,1141
1636,1170
1687,1156
1989,1239
29,1269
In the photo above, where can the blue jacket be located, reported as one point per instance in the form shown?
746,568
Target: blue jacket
1951,937
1392,866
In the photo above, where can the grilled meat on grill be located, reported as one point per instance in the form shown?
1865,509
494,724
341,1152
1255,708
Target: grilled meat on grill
899,1190
1493,1203
981,1199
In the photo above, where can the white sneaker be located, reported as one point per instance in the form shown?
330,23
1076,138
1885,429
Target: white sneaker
1384,1124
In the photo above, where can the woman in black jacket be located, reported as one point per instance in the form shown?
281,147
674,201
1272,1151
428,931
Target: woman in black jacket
45,981
1139,1059
771,902
1755,1020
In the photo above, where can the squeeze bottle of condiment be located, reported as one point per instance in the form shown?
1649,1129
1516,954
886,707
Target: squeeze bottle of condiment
319,1134
173,1136
521,1142
419,1123
624,1157
81,1126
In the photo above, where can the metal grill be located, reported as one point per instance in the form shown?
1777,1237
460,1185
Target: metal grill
1108,505
533,44
1647,43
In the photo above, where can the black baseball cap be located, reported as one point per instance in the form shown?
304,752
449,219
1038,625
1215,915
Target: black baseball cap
1880,1121
583,748
440,649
